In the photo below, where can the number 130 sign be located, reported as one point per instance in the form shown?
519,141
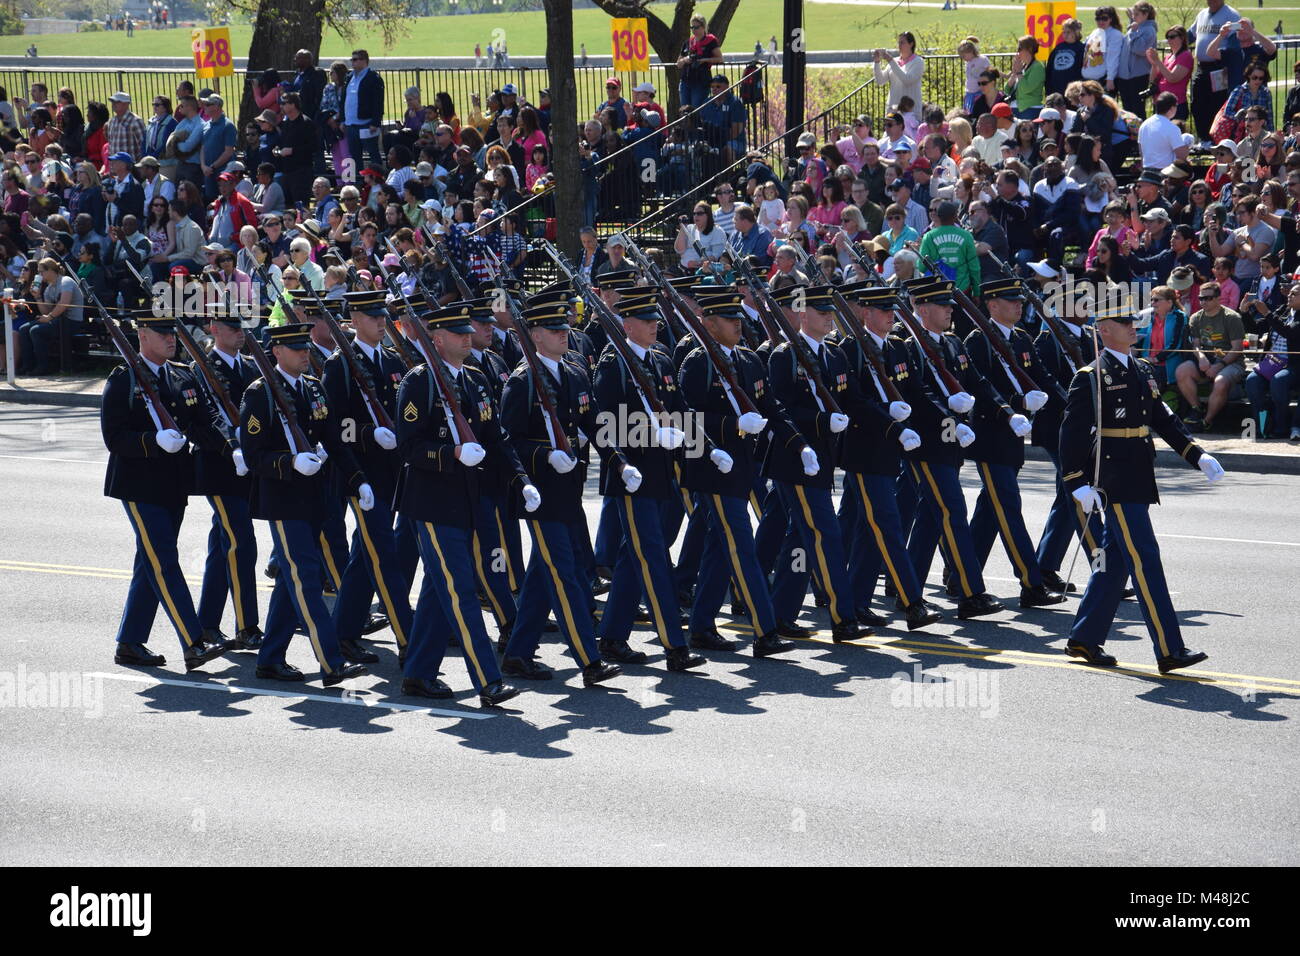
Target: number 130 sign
631,44
1043,22
211,49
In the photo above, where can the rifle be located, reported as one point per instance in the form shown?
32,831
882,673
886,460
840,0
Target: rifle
278,395
1068,348
462,287
405,347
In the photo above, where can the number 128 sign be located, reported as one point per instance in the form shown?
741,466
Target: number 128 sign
631,44
211,48
1043,22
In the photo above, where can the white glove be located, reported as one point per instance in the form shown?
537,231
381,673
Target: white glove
964,435
631,478
561,462
170,440
532,498
1088,498
838,422
669,437
241,466
471,453
722,460
899,410
961,402
909,439
321,453
366,497
751,423
810,463
385,438
1210,465
1035,400
306,463
1020,425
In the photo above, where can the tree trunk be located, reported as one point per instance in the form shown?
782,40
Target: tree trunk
564,124
283,28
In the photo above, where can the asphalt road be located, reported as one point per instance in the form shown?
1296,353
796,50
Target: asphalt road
834,755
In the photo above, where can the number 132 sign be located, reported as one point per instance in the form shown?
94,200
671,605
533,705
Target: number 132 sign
211,49
1043,22
631,43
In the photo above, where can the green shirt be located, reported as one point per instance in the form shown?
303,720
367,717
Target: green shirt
1028,92
1216,331
955,248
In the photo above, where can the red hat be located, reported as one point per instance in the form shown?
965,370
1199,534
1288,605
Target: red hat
228,177
921,163
179,271
614,81
371,171
1001,110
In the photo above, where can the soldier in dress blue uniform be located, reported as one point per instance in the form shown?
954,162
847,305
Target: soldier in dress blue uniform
878,434
439,492
637,479
553,581
293,495
804,468
1112,468
372,565
221,475
505,340
934,465
999,447
151,472
723,484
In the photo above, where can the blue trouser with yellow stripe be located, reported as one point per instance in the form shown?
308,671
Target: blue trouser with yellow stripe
997,512
609,532
642,567
730,556
332,539
448,596
772,528
373,567
687,569
1129,547
816,528
297,597
231,566
870,523
507,534
941,512
156,577
492,562
554,581
1064,521
408,547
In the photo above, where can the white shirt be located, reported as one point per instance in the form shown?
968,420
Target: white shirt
814,344
368,350
1122,356
230,360
1158,137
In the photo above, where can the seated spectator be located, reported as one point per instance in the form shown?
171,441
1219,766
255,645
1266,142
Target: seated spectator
1272,385
750,238
1216,336
1263,295
702,231
1229,291
1162,337
722,120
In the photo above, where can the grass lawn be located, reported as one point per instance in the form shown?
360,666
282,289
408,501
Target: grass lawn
829,26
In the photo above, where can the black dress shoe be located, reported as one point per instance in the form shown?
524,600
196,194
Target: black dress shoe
597,672
953,588
681,659
346,672
598,586
900,604
791,629
621,652
848,631
376,622
137,655
434,689
820,600
1039,597
869,618
281,671
1130,592
401,657
528,670
921,615
1185,658
685,597
497,693
1091,653
196,655
249,639
604,573
770,644
739,610
503,637
214,635
710,640
550,627
272,571
1055,582
978,606
354,653
642,616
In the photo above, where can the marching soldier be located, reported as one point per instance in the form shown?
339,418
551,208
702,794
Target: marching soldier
291,492
439,493
804,467
554,579
638,478
877,436
221,477
151,472
722,495
505,340
1109,463
372,565
999,447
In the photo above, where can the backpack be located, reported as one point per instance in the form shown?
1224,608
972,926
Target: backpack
751,83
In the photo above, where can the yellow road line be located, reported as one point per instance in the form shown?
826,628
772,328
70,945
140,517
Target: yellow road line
116,574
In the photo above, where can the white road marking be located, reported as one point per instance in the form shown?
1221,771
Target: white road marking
68,461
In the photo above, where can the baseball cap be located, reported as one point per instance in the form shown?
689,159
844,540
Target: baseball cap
149,161
719,78
228,177
215,99
423,169
807,139
1228,144
1048,113
644,88
179,271
266,116
431,204
120,97
1159,212
234,166
1045,269
121,156
920,163
612,81
510,90
1001,110
412,91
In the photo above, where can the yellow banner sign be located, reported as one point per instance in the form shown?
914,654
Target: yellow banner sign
631,43
1043,22
212,56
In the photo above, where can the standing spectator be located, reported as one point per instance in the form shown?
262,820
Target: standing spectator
723,120
330,119
1254,92
1028,77
219,138
1102,49
1174,72
1253,239
71,130
901,73
158,228
1065,61
969,51
1160,141
43,131
363,109
266,92
294,155
125,131
989,96
231,212
16,197
1097,115
1214,76
1134,71
161,125
308,82
701,54
952,248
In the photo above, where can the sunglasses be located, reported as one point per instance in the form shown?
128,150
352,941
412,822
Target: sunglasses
895,217
1205,296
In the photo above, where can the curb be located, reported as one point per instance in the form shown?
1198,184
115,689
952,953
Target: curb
26,396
